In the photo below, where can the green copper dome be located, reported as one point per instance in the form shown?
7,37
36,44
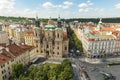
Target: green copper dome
59,20
50,26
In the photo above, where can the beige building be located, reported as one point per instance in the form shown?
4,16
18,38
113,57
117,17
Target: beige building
51,40
29,38
12,54
3,37
99,41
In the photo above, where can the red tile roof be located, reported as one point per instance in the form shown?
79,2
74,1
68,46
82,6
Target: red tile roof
15,49
5,56
115,33
64,35
27,47
107,29
29,33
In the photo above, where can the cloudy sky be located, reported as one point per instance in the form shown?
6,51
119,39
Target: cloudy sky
66,8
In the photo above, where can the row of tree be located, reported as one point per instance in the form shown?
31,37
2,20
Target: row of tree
73,40
95,20
63,71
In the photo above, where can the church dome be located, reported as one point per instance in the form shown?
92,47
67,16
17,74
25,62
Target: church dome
50,26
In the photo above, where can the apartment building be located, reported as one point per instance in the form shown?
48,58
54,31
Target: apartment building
29,38
13,54
3,37
99,41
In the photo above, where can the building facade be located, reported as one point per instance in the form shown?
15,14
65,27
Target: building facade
3,37
99,41
29,38
13,54
51,40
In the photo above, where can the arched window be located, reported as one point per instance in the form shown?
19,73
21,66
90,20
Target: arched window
58,35
65,47
47,46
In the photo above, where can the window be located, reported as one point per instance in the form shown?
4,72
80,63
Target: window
47,46
12,60
57,43
58,53
3,78
36,34
37,50
65,47
41,51
36,45
2,72
53,52
58,35
9,73
8,68
57,47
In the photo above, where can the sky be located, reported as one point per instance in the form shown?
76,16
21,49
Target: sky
64,8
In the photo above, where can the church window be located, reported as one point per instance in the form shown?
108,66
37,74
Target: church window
47,46
58,35
57,47
58,53
65,47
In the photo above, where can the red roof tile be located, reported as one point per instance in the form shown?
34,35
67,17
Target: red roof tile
5,56
15,49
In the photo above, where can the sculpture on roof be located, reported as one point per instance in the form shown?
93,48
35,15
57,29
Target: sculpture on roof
99,26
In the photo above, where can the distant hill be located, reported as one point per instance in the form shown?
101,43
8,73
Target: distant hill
96,20
25,19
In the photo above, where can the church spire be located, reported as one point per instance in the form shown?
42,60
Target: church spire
49,21
37,22
99,26
59,21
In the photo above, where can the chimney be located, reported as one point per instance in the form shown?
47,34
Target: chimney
7,49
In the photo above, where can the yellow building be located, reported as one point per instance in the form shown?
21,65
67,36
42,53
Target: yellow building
12,54
3,37
29,38
51,40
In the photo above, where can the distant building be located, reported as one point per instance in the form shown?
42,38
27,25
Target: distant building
51,40
13,54
99,41
3,37
16,31
29,38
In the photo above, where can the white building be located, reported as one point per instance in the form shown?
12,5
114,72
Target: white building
99,41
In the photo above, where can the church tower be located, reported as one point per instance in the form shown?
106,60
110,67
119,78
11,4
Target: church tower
59,22
37,22
99,26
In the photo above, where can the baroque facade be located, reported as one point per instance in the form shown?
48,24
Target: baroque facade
51,40
99,41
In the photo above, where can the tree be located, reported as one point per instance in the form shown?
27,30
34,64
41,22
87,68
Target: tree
62,71
17,70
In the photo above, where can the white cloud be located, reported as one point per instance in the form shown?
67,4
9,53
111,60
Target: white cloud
117,6
81,10
89,3
85,9
48,5
66,5
83,5
98,10
86,4
7,5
